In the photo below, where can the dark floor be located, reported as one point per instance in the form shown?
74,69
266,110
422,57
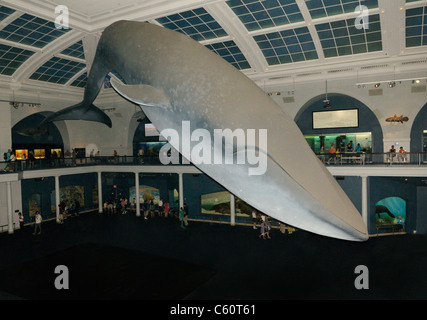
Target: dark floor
127,257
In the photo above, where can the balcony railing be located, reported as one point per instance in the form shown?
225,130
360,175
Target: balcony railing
362,158
338,159
42,164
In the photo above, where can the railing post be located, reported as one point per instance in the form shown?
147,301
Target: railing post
57,198
100,202
137,198
232,210
9,207
181,190
365,199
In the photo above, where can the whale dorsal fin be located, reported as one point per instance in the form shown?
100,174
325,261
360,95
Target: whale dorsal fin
141,94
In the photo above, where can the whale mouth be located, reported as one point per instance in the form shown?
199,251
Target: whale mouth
345,227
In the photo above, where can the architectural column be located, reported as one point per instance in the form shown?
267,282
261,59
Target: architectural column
9,207
100,202
138,200
57,197
365,199
181,191
232,210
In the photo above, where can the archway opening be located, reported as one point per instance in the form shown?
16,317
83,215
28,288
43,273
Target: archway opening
341,121
43,141
390,214
419,132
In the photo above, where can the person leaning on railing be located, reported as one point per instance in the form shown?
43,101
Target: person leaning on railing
402,155
391,153
332,152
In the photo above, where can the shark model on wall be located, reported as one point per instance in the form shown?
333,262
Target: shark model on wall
175,79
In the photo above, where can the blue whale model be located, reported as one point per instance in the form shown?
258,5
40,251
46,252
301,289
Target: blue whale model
176,80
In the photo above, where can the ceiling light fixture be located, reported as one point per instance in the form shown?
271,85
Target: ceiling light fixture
376,84
327,103
17,104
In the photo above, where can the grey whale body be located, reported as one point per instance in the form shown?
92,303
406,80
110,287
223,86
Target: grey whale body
174,79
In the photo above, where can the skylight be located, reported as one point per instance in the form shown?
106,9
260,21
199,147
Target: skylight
12,58
326,8
287,46
80,81
32,31
58,70
76,50
416,27
5,12
340,38
197,24
231,53
261,14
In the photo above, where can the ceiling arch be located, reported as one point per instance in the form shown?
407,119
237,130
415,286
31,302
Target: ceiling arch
265,39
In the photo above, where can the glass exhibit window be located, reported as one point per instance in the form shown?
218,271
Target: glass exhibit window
340,141
390,211
151,149
20,153
34,204
39,153
58,152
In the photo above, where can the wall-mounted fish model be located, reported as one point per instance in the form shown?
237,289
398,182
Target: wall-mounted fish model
395,118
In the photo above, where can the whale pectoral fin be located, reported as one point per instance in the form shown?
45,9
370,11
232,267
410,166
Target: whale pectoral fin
143,95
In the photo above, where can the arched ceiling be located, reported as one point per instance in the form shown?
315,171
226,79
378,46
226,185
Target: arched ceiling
268,40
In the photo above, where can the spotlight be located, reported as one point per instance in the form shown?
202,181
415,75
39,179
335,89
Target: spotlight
327,104
416,81
14,104
377,85
392,84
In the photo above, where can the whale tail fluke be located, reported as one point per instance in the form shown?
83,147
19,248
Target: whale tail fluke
79,111
85,110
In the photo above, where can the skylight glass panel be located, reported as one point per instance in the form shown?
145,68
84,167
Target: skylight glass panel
5,12
340,38
76,50
197,24
261,14
231,53
31,31
326,8
416,27
58,70
12,58
107,83
80,81
287,46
